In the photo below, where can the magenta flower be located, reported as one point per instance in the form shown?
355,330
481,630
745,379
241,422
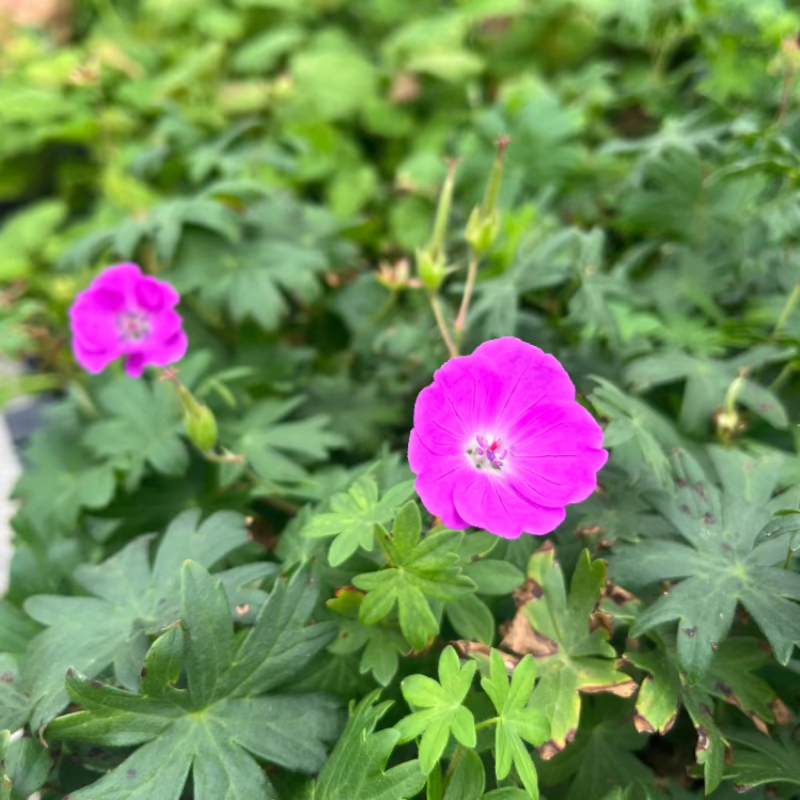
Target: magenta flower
500,443
125,314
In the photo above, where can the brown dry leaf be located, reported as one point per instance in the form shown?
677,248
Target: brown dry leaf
625,689
781,713
522,639
590,530
550,749
530,590
469,649
602,620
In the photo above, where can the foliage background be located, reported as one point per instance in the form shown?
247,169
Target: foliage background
266,156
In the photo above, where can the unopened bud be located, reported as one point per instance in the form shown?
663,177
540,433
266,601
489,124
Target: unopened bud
482,231
483,226
431,260
431,269
201,427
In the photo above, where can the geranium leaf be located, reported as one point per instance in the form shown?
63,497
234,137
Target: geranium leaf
130,598
518,723
353,516
719,566
440,709
418,573
222,723
555,629
355,769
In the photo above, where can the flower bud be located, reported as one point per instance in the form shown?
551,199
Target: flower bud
482,231
201,427
431,269
483,226
198,418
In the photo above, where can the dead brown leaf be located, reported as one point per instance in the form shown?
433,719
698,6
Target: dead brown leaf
522,639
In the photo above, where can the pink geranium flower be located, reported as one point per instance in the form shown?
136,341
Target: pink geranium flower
500,443
125,314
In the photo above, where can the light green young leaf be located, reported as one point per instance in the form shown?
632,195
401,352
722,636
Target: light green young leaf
444,712
517,723
419,569
384,641
353,516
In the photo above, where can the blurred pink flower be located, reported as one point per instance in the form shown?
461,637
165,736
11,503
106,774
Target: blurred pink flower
500,443
125,314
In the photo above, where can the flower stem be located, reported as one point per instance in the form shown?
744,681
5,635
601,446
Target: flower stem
791,302
461,319
436,307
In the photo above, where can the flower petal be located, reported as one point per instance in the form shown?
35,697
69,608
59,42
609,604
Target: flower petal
436,477
490,503
528,377
556,454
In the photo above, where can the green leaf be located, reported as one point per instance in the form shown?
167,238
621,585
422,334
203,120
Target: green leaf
62,478
278,449
494,577
28,763
707,382
555,628
130,600
5,781
731,677
223,722
719,566
24,235
639,435
472,619
382,643
601,756
353,516
467,780
421,569
142,427
758,759
355,769
443,712
332,82
516,722
281,251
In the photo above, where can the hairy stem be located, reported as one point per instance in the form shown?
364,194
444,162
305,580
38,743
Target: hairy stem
461,319
436,307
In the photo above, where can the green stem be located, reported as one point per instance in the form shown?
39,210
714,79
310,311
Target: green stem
461,319
486,723
436,307
791,302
